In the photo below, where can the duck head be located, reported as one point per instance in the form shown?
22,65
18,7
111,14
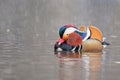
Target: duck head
66,30
69,35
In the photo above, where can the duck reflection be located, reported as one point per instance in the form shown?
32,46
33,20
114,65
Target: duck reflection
68,54
79,66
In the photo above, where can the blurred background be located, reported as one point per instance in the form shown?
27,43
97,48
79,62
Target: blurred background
29,29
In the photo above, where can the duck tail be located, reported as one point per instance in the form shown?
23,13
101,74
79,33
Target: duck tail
105,43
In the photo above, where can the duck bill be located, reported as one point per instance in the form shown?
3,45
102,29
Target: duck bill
60,41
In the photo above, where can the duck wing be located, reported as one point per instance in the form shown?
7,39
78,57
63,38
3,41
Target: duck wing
84,34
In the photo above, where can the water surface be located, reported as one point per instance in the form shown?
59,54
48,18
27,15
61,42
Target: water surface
29,29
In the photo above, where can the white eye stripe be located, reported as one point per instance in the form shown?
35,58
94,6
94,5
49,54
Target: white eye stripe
69,30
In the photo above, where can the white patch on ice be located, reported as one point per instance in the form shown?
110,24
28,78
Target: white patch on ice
113,36
37,35
117,62
8,30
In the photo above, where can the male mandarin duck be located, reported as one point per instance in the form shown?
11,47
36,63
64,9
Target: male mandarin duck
87,39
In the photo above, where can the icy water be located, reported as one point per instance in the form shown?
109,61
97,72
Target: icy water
29,29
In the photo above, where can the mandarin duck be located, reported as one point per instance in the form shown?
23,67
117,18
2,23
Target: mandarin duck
87,39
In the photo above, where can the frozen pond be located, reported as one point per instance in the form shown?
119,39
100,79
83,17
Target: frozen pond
29,29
